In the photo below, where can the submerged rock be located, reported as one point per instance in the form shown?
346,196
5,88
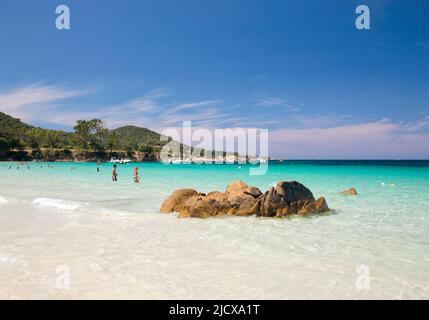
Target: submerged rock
349,192
239,199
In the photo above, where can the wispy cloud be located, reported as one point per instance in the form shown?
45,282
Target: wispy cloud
303,136
26,101
418,125
151,110
277,102
318,120
377,139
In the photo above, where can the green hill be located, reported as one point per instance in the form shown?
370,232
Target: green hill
137,137
19,140
12,126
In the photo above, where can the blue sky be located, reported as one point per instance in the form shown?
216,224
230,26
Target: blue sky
298,68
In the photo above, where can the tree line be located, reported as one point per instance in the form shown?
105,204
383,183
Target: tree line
89,137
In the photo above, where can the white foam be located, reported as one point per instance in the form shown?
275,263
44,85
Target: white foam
57,203
3,200
8,259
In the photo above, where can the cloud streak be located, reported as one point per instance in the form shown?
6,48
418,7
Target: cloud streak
277,102
302,136
379,139
35,96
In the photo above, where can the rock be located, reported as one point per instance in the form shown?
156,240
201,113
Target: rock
271,202
284,212
293,191
239,199
176,200
322,205
214,194
236,186
238,192
313,207
349,192
184,214
201,206
248,207
253,191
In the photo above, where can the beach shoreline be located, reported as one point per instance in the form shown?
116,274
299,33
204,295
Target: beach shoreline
116,244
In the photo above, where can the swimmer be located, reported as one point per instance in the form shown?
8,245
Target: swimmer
114,173
136,175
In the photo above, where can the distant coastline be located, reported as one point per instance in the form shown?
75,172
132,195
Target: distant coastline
89,142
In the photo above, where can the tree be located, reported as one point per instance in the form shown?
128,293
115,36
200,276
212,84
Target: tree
90,134
112,140
146,149
53,139
34,138
101,136
130,150
82,131
4,146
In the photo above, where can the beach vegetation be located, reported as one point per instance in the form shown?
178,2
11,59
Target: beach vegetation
90,140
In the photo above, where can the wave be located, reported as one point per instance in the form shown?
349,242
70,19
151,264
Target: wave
3,200
57,203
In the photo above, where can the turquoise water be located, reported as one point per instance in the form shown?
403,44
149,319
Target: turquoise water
115,244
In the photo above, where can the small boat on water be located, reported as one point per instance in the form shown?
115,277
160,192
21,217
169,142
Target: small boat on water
262,160
121,161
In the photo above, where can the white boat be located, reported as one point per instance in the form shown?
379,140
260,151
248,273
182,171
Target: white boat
262,160
122,161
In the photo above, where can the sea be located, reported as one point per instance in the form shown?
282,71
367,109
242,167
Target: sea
68,232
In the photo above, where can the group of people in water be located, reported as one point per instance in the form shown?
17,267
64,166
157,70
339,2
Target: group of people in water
28,167
114,171
115,174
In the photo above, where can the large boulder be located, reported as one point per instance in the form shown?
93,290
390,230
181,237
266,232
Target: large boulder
204,206
239,199
293,191
236,187
199,206
243,200
252,191
176,201
271,202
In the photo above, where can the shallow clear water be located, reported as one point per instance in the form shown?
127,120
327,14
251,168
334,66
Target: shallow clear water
109,241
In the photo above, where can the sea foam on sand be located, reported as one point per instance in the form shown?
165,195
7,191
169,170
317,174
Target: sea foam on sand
57,203
3,200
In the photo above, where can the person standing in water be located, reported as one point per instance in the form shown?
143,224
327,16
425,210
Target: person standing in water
136,175
114,173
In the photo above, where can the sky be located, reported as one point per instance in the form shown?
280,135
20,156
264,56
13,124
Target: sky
300,69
